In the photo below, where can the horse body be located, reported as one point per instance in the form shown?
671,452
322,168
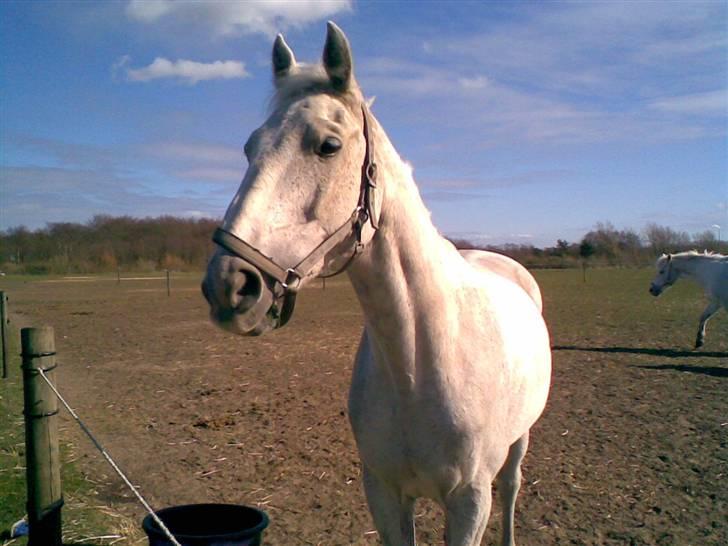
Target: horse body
444,382
708,270
506,267
454,363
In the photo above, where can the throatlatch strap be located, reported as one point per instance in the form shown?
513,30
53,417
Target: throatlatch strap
367,198
318,253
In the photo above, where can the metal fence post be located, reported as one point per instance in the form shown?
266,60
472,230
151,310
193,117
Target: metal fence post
42,451
4,322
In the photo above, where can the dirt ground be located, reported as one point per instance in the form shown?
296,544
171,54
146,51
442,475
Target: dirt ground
632,448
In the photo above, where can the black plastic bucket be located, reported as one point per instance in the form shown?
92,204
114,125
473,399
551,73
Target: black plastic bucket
208,525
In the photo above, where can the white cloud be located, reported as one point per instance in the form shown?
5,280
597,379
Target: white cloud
34,196
212,174
118,68
226,18
712,102
195,214
450,196
449,184
199,162
386,74
478,82
67,154
452,189
182,69
148,11
598,49
550,77
182,151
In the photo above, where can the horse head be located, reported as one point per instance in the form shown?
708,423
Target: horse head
666,275
306,204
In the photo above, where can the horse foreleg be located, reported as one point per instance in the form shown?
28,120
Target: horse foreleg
710,310
509,482
393,515
467,511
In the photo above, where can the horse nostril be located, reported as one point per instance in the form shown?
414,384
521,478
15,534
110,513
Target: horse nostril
246,290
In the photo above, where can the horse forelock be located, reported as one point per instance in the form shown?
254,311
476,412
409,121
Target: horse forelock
312,79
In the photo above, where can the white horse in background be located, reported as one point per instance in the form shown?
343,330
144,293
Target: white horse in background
454,364
707,269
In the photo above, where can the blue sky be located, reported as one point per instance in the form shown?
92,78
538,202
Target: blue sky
525,122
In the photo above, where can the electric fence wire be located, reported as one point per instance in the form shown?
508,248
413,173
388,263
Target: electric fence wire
108,458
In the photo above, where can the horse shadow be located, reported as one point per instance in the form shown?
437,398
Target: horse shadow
714,371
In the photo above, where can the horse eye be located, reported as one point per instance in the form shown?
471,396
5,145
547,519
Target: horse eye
248,148
329,147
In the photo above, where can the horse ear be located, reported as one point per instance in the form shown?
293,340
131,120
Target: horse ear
337,58
283,59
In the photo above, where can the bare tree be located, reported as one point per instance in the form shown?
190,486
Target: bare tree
664,239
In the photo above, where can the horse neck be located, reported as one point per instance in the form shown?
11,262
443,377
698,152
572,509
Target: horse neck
702,269
401,278
687,266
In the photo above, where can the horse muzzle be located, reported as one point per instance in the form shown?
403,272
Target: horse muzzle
242,299
655,290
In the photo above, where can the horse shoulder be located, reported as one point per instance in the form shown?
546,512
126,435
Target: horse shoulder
719,287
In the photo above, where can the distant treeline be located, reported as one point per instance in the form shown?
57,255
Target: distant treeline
607,246
107,244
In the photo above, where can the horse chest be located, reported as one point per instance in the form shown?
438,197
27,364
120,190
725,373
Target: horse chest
419,443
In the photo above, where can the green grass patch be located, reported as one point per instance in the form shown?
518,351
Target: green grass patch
12,439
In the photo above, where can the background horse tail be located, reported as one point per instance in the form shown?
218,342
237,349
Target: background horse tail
505,267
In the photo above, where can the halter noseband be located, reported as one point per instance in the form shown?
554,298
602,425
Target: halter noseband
289,279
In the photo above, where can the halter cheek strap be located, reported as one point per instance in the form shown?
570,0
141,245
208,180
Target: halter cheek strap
289,279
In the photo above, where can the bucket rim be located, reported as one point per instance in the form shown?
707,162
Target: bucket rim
151,527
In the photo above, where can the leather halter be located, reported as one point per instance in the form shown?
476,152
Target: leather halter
288,280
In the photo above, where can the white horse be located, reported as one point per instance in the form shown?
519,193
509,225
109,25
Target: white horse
454,363
707,269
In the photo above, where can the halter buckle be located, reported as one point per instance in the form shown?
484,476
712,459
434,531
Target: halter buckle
371,172
293,280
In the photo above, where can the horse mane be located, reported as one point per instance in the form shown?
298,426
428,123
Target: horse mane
311,79
690,255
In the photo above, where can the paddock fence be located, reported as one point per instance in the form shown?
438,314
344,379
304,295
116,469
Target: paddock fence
42,449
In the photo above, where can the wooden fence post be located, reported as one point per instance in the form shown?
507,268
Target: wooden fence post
4,322
168,291
42,451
